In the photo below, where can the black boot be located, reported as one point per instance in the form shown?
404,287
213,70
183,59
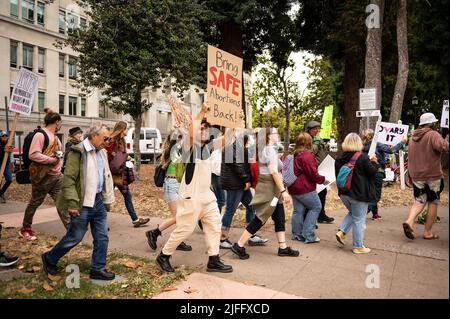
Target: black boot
184,247
152,237
215,264
163,262
49,268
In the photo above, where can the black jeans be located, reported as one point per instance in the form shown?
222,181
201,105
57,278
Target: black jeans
373,207
323,198
278,217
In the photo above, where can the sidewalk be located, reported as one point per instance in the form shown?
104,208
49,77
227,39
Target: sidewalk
408,269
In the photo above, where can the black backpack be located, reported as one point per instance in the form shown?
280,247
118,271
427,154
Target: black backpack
27,143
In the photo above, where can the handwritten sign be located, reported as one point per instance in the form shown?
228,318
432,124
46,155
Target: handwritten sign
23,93
390,133
327,120
181,115
224,88
444,118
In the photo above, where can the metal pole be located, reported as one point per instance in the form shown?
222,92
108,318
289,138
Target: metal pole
154,151
7,115
402,168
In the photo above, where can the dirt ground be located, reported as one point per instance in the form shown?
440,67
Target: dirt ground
149,201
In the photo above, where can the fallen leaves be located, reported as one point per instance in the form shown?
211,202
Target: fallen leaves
169,289
28,257
54,278
190,290
26,290
47,287
131,264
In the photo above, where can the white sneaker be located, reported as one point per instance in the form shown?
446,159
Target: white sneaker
316,240
257,240
226,244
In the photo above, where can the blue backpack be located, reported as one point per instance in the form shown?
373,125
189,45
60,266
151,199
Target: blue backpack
288,171
345,175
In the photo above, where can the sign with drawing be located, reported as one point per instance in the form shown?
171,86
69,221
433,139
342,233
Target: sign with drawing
391,134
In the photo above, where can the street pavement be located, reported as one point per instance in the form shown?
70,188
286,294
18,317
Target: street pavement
396,268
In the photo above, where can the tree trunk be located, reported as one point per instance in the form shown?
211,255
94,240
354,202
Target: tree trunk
136,144
351,98
287,115
403,64
374,46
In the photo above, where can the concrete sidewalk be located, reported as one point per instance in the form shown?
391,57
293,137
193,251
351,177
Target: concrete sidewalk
407,269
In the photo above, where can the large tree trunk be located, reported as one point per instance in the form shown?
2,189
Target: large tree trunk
403,64
136,144
231,34
351,98
287,115
374,46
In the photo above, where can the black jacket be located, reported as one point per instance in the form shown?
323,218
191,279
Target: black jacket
233,176
363,186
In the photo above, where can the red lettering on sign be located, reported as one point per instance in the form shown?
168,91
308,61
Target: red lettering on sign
224,83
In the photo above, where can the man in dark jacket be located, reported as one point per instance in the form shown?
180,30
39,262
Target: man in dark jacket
235,178
320,150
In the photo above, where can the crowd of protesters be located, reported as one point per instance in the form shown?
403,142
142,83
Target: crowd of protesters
207,169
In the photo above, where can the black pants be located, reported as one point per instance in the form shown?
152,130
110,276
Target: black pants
278,218
373,207
323,198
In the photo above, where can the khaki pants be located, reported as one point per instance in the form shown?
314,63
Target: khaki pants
51,185
188,213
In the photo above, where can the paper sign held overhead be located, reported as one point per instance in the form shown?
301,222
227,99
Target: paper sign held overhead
327,120
22,96
391,134
367,99
444,117
224,87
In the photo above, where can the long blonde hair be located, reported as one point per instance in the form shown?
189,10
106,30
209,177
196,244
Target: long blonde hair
352,143
117,131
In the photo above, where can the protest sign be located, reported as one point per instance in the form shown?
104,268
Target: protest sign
444,117
180,114
224,87
391,134
326,168
327,120
23,93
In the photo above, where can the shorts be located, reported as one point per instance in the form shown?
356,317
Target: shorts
171,187
428,191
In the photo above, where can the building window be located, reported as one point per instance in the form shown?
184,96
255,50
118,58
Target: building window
41,60
13,54
41,13
72,22
82,24
28,57
61,104
72,105
14,8
41,101
28,10
72,68
83,106
62,21
101,110
61,65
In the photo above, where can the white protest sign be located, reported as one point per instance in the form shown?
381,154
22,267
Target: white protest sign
367,99
326,168
444,118
391,134
23,93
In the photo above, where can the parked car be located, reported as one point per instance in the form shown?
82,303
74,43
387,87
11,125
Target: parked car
150,143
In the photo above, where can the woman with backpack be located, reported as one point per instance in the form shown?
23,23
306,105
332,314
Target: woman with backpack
355,174
171,151
268,195
303,191
122,175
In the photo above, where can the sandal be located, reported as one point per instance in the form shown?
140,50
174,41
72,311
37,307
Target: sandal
409,232
432,237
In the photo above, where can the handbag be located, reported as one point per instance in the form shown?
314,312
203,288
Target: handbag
117,180
117,164
160,175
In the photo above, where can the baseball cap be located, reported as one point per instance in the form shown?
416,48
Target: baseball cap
427,118
312,124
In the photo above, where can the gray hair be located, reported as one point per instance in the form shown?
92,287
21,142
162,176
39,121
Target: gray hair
95,129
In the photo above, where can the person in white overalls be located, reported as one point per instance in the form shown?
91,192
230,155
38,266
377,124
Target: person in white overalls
196,201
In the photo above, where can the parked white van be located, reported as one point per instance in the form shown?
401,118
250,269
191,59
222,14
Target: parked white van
150,142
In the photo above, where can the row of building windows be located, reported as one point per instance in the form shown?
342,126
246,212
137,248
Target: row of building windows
34,11
28,55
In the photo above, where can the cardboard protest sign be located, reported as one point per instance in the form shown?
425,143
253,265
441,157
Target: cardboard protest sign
444,117
327,120
181,115
390,133
224,88
23,93
326,168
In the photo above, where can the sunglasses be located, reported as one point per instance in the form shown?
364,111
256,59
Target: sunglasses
107,139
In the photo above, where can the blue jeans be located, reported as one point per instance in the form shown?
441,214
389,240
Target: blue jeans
355,219
304,225
129,205
97,218
8,178
234,197
218,191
